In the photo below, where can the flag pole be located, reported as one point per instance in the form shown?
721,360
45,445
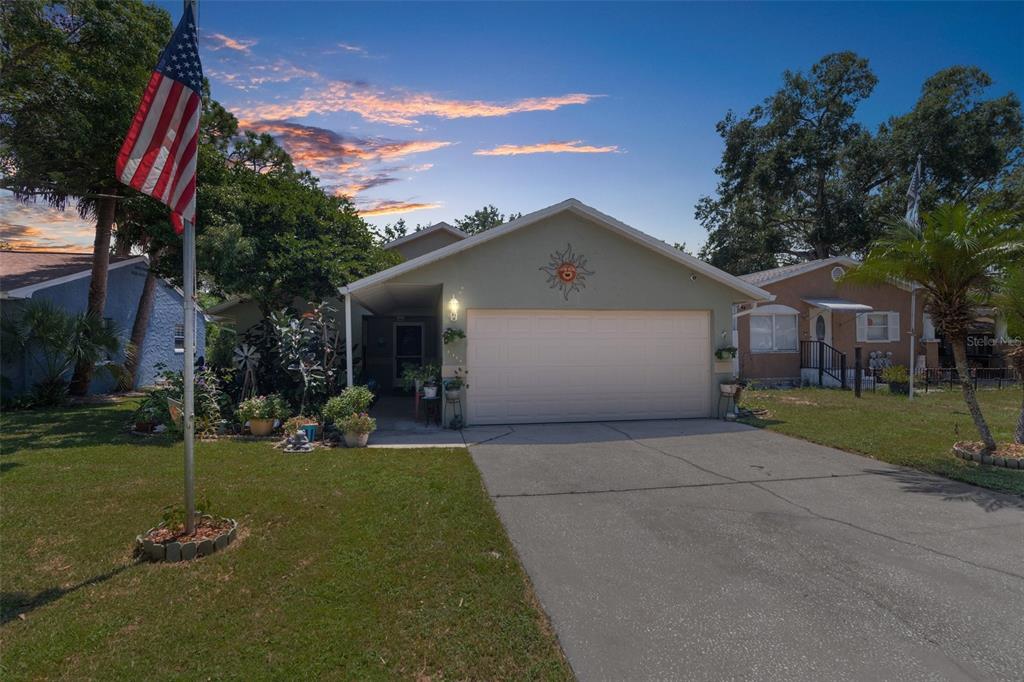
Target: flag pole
189,243
188,373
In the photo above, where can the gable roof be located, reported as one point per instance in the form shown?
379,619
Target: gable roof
763,277
436,227
579,208
22,273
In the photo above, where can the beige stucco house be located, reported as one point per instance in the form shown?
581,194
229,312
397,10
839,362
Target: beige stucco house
568,315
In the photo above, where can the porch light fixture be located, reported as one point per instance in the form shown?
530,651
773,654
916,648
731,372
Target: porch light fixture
453,308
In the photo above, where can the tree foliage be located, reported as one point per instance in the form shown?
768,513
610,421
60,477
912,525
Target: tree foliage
801,178
484,219
54,342
955,257
71,76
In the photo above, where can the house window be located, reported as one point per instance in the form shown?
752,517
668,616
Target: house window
878,327
837,273
773,333
179,338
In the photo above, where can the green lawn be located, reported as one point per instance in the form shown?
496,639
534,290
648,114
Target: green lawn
351,564
887,427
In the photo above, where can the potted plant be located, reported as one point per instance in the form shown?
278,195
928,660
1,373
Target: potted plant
149,413
412,378
452,334
428,375
352,400
357,429
261,412
898,379
301,423
726,353
453,386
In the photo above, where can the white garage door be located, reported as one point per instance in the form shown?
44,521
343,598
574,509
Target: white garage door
587,365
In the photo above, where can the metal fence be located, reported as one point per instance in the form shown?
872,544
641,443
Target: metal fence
980,377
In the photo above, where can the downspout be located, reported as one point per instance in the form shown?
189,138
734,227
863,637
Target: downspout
913,333
349,379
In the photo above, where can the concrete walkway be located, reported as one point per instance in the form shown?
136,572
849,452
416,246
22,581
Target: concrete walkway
708,550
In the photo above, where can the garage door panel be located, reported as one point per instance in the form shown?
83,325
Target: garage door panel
535,366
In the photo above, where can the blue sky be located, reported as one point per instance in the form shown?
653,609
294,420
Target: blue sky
417,107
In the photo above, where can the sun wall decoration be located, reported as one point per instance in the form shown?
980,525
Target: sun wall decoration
567,271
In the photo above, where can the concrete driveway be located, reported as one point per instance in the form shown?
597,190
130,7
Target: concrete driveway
700,549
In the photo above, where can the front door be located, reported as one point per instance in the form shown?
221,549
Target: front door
408,346
821,325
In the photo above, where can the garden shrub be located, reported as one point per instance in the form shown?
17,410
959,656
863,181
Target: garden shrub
359,422
352,400
263,407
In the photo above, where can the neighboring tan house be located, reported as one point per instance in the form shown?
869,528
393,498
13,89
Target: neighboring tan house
816,317
569,315
63,278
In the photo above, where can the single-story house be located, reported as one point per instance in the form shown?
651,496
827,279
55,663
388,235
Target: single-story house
568,315
63,279
816,316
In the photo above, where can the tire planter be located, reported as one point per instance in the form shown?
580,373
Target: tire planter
992,460
173,552
261,427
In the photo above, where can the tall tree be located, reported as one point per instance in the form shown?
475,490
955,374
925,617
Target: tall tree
800,179
796,172
484,219
955,257
70,80
270,233
972,148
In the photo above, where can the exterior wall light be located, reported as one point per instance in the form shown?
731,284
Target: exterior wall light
453,308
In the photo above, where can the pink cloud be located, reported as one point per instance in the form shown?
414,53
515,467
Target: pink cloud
569,147
400,107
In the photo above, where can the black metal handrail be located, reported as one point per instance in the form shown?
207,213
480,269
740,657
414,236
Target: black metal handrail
827,359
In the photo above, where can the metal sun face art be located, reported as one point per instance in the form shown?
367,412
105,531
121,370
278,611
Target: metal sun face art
567,271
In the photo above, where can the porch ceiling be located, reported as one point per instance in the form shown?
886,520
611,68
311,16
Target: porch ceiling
386,299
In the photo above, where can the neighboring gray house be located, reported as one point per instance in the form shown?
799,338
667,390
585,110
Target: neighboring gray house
63,278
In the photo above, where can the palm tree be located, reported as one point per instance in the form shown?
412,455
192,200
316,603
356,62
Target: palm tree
57,342
1010,302
955,257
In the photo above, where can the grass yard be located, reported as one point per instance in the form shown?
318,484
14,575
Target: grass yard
351,564
887,427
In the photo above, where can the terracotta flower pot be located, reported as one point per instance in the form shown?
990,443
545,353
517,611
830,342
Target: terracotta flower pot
356,440
261,427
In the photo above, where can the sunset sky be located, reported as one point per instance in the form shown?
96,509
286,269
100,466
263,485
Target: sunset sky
426,112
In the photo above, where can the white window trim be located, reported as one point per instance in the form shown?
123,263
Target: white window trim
774,349
892,324
195,338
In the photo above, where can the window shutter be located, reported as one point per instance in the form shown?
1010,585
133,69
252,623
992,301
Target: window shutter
862,327
894,326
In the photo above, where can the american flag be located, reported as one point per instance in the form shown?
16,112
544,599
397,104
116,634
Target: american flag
913,217
158,156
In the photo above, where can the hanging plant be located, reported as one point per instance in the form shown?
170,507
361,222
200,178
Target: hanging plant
452,334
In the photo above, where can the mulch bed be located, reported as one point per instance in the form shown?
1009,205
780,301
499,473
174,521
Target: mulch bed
206,529
1009,455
